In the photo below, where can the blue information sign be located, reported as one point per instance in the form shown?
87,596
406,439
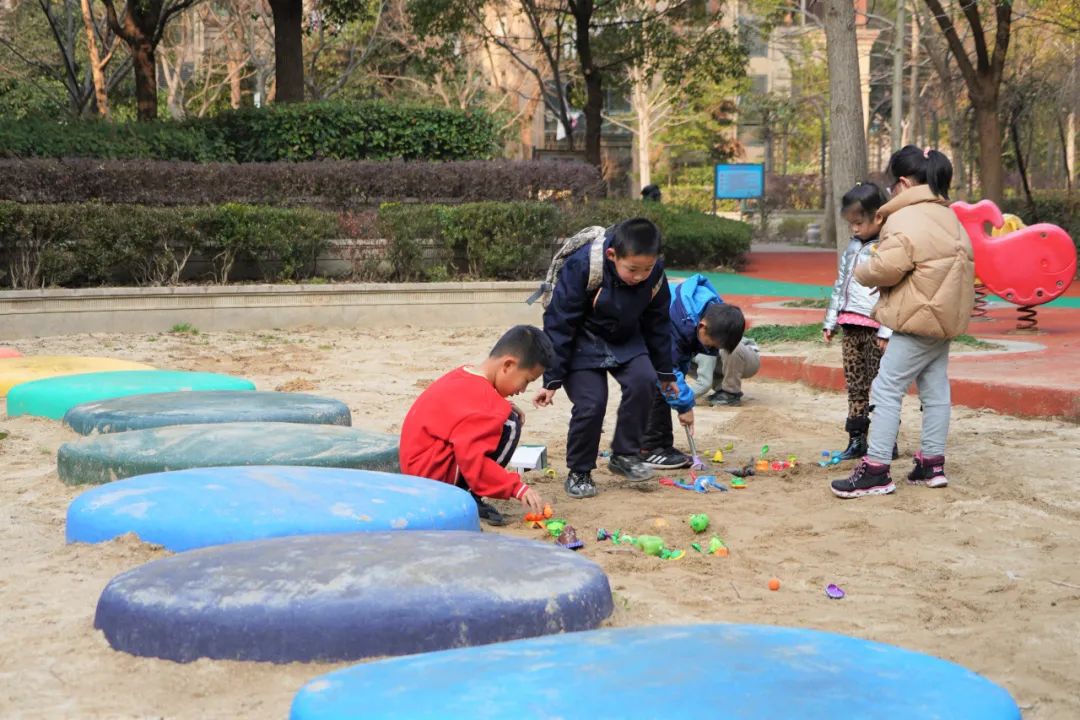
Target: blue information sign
739,182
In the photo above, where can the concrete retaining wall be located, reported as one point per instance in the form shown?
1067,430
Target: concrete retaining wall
38,313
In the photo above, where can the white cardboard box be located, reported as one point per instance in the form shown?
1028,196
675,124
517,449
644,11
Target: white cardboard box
529,457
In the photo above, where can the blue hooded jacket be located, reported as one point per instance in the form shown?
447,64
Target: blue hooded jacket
610,327
688,302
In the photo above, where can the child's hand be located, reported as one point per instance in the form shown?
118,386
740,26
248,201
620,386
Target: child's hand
520,412
669,387
543,398
532,501
687,420
882,343
827,333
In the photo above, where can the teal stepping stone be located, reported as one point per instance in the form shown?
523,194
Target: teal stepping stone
137,412
103,458
53,397
187,509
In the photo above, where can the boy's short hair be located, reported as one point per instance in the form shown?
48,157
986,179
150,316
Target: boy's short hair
636,236
724,324
529,345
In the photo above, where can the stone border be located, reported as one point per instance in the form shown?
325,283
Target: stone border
38,313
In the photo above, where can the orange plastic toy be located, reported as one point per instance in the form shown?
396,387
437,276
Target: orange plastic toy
537,519
1027,267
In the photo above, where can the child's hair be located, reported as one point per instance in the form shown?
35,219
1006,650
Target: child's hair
636,236
529,345
651,193
867,195
926,166
724,324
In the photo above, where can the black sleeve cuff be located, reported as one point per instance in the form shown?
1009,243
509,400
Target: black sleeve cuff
666,377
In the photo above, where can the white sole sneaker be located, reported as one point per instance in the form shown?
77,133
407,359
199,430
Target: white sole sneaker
881,490
655,461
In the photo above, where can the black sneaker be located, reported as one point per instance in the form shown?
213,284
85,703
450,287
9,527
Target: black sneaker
580,485
488,513
868,478
670,459
722,397
929,471
630,467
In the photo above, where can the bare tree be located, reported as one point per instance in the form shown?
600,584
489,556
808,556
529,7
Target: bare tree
847,143
983,77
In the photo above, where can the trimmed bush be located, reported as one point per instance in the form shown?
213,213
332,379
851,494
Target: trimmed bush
505,241
293,132
335,185
91,244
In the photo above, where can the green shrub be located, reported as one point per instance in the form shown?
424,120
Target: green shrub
506,241
792,229
407,229
93,244
293,132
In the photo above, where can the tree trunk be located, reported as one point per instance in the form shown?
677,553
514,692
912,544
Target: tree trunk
594,90
1070,149
97,67
233,66
643,136
288,50
1014,134
897,120
913,88
988,127
847,143
145,66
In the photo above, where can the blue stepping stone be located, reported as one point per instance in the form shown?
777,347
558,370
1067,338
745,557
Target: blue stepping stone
53,397
103,458
189,509
138,412
351,596
692,671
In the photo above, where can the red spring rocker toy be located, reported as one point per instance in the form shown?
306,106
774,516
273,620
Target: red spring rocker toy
1027,267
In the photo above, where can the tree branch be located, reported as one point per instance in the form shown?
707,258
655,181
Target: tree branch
971,12
948,29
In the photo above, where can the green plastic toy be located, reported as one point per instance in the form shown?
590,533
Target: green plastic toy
699,523
555,527
715,545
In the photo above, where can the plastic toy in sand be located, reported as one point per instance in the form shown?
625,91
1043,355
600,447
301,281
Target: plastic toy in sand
568,538
699,522
738,484
648,544
698,484
829,458
715,547
537,520
834,592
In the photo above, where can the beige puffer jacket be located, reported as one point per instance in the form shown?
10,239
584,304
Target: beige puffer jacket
923,267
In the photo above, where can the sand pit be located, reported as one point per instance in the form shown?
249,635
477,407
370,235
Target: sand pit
984,573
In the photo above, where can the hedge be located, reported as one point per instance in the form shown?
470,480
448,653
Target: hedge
331,184
515,240
91,244
94,244
293,132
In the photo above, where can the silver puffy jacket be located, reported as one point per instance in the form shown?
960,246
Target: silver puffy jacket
848,295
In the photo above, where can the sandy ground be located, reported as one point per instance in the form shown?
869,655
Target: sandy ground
985,573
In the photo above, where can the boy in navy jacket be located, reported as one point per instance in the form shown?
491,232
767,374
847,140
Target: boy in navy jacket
701,324
622,328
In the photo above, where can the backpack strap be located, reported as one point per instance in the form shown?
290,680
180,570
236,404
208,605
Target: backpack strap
596,263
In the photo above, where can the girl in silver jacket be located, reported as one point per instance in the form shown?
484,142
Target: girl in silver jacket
850,306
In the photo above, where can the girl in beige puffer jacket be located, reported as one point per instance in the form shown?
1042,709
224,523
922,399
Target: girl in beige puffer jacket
924,271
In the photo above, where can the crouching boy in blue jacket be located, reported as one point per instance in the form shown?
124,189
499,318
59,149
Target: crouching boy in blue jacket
614,322
701,324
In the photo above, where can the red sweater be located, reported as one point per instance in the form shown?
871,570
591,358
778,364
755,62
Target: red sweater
452,430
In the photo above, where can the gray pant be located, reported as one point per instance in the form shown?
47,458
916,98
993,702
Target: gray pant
744,362
907,359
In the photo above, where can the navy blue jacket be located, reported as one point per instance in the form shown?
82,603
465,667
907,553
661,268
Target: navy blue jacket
608,328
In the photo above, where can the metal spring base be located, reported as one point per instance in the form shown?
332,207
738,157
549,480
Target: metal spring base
980,307
1027,319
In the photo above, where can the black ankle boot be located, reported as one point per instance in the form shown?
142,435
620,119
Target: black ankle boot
857,428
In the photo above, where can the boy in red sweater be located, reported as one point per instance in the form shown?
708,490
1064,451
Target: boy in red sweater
462,430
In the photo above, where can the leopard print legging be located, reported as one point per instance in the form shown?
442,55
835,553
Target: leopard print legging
861,360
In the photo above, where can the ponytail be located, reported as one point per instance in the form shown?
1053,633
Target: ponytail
928,167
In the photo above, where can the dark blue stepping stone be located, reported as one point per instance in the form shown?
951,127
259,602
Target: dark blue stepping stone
104,458
351,596
138,412
189,509
693,671
53,397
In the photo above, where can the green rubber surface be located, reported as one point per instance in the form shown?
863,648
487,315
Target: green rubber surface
104,458
53,397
